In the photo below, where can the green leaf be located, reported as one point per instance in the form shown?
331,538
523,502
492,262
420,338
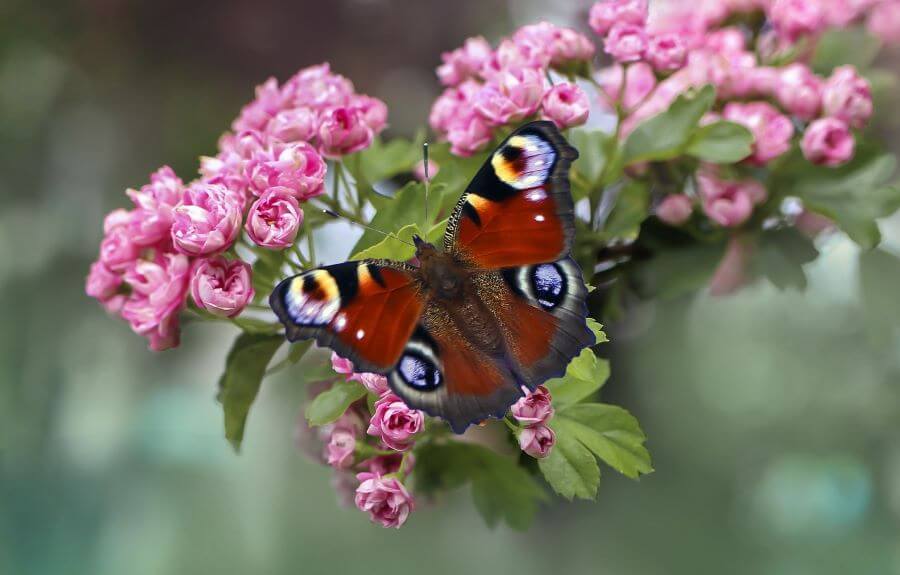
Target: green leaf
331,404
570,468
502,490
721,143
594,150
666,135
315,366
396,246
298,350
597,328
837,47
879,276
254,325
584,376
631,208
781,256
244,369
383,160
610,432
266,271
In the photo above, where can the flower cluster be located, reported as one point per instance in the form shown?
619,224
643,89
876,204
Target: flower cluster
179,238
490,88
534,411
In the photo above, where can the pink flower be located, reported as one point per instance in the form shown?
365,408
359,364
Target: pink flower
318,88
795,18
626,42
386,500
511,96
294,125
675,209
604,15
102,283
568,45
341,365
374,111
274,219
464,62
343,131
341,446
158,292
828,141
884,21
731,273
151,222
221,287
729,203
729,40
772,131
117,251
537,440
373,382
419,170
295,167
566,105
800,91
640,82
666,52
453,104
116,219
207,220
255,115
395,423
848,97
469,135
534,407
520,51
387,464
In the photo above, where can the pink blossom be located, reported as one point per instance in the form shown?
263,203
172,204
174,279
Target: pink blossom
537,440
102,283
341,365
884,21
386,500
464,62
772,131
828,141
666,52
453,104
800,91
640,82
116,219
731,273
117,251
511,96
675,209
604,15
626,42
274,219
566,105
373,382
341,446
395,423
387,464
152,219
795,18
848,97
534,407
729,203
207,220
520,51
568,45
221,287
296,167
294,125
317,87
255,115
728,40
343,131
469,135
374,111
419,170
158,291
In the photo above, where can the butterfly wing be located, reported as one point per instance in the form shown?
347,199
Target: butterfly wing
363,310
518,208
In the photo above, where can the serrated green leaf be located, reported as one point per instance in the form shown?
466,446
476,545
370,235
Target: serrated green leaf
382,160
570,468
329,405
610,432
584,376
254,325
781,256
594,149
666,135
396,246
721,143
245,367
631,208
837,47
597,328
266,271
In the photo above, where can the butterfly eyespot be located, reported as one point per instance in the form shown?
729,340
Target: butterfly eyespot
549,283
419,372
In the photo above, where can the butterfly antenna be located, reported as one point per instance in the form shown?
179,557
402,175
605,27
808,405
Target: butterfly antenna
427,177
338,216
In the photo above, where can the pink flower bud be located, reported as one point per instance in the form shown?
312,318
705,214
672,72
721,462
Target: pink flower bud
318,88
666,52
568,45
795,18
511,96
727,203
566,105
102,283
340,447
117,251
468,135
675,209
387,464
464,62
800,91
274,219
604,15
341,365
534,407
158,292
386,500
640,82
772,131
294,125
828,141
373,382
626,42
255,115
395,423
295,167
537,440
374,111
221,287
848,97
343,131
884,21
207,220
151,221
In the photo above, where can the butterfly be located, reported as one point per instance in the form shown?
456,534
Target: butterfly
499,310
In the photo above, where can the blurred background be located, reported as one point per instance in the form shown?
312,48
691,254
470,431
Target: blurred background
773,416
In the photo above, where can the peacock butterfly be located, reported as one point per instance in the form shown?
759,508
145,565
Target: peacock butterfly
499,309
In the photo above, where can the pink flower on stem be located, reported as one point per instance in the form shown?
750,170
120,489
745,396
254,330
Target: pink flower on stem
385,499
511,96
274,219
117,251
884,21
730,208
520,51
566,105
387,464
800,91
395,423
102,283
675,209
728,40
341,365
639,83
255,115
534,407
468,135
374,111
829,142
772,131
373,382
626,42
158,292
343,131
537,440
221,287
464,62
795,18
604,15
294,167
667,52
151,221
207,220
848,96
568,45
294,125
317,87
453,104
341,446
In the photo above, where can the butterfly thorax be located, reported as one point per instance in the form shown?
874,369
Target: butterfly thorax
443,277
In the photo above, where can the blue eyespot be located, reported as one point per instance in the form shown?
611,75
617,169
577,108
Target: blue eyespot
549,283
419,372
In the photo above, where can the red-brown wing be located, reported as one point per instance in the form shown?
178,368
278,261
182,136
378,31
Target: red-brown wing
365,311
518,208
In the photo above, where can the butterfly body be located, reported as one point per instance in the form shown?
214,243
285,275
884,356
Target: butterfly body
500,309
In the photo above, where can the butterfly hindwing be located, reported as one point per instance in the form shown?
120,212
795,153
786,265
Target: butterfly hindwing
518,208
365,311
